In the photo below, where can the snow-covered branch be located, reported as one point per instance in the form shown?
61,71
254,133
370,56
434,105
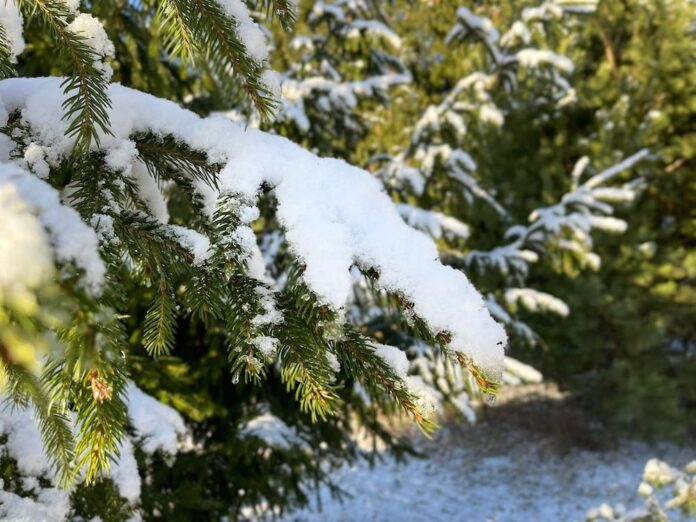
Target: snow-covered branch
334,215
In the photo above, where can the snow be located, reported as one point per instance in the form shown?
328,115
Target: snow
394,357
157,426
536,301
578,6
249,32
607,174
428,399
320,8
534,58
13,23
194,242
25,446
608,224
517,34
35,157
474,23
434,223
72,5
659,472
51,505
25,251
149,190
546,11
489,113
124,473
272,431
24,442
579,168
521,373
271,315
94,35
578,212
272,81
342,95
266,345
485,476
614,194
72,240
376,28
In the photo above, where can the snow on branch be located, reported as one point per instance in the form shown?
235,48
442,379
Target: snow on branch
468,22
318,85
568,222
536,301
334,215
71,239
11,24
434,223
606,175
157,427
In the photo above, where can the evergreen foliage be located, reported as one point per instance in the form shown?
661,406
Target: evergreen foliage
176,370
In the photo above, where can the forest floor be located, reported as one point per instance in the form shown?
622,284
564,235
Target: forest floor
530,458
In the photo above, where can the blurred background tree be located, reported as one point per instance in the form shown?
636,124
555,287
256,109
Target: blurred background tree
627,349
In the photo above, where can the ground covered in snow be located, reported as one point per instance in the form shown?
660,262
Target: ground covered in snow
530,460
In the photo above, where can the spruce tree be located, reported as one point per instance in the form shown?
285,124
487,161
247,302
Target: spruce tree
130,239
446,182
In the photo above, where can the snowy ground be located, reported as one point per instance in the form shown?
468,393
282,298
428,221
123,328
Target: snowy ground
536,467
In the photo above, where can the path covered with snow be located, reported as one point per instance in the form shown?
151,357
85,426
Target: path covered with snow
497,473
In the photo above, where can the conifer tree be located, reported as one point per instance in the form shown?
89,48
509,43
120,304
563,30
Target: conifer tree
446,183
139,219
635,86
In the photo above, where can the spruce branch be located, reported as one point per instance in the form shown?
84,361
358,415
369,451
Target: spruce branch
179,40
242,306
87,103
285,10
91,379
163,261
54,423
360,362
226,53
160,320
303,351
169,159
101,418
6,66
